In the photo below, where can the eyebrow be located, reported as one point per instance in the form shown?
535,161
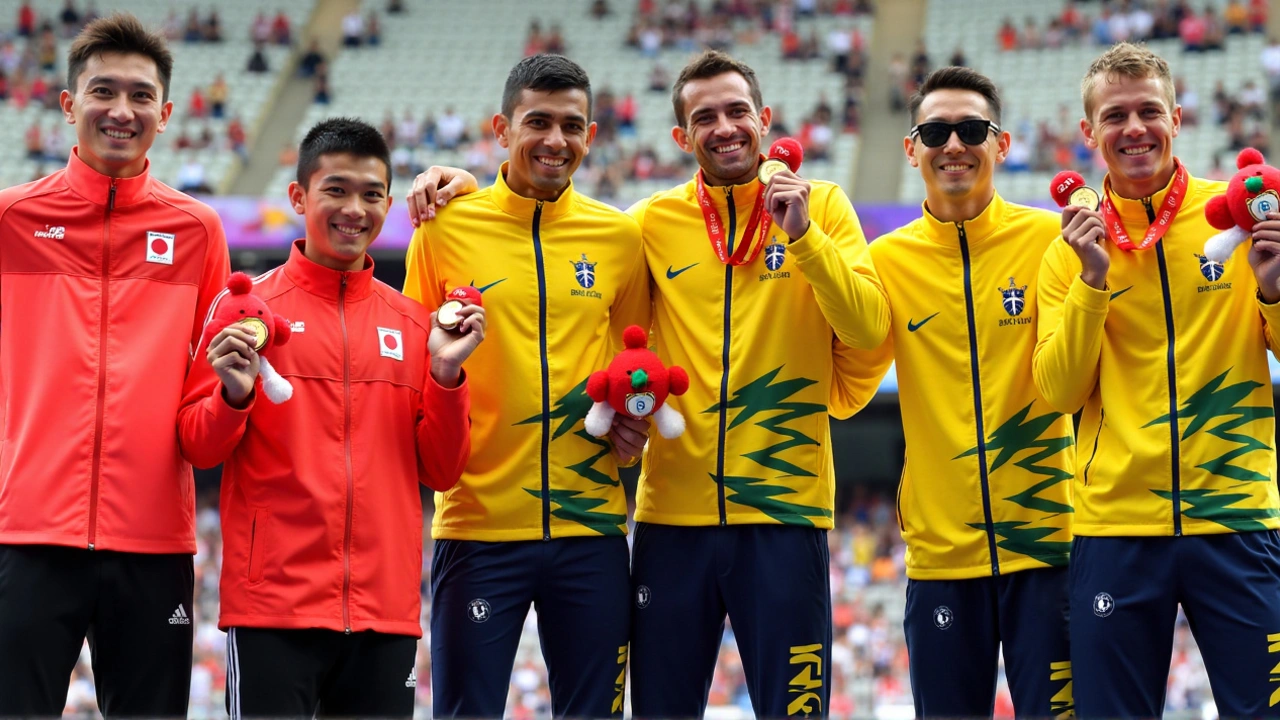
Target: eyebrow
110,80
1145,104
344,180
728,106
544,115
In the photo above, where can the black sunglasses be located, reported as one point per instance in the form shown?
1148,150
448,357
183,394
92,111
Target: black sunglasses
971,132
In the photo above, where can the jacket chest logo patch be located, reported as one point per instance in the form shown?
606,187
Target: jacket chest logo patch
584,272
1014,300
390,344
1213,272
160,248
775,256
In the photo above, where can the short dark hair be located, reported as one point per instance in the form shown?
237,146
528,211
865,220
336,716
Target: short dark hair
124,34
956,77
341,136
708,65
546,73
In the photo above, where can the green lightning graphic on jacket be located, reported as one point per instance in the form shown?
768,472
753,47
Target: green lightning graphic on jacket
1015,436
761,397
1215,402
571,410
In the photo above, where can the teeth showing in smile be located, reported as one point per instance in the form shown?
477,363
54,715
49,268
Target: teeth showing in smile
118,134
553,162
955,168
1141,150
726,149
351,230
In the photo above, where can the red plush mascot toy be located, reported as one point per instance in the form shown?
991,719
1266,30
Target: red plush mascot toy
1253,192
636,384
240,305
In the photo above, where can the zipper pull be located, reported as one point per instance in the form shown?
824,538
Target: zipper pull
111,196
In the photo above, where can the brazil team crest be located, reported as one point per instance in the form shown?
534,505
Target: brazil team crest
584,271
1210,269
1015,298
775,254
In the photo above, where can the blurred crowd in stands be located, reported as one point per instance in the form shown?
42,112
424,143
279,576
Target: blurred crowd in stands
1051,145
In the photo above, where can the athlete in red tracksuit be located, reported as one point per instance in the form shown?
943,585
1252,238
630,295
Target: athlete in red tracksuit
321,512
105,278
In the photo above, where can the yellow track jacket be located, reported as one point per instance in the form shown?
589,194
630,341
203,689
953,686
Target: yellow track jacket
1169,363
560,281
760,343
986,485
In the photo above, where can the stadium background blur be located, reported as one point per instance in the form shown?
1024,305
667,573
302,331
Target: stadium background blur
250,78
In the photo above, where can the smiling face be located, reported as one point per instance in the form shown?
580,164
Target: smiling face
546,137
117,110
344,204
723,128
955,171
1133,124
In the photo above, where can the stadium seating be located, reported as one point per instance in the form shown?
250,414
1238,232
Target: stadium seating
1037,84
195,65
422,68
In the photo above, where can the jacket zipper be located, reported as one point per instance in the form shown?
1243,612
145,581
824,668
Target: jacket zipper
977,400
546,373
99,418
346,442
724,355
1175,447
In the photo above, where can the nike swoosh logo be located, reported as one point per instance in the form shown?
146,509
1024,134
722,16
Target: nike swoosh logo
914,326
486,287
1118,293
671,274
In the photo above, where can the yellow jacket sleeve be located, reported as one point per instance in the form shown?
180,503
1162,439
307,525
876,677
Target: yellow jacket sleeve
421,282
1271,325
1069,333
856,376
834,258
632,305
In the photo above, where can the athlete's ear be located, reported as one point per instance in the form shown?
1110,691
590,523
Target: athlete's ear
500,126
298,198
681,136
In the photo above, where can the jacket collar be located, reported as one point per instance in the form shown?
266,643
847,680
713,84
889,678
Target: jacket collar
975,230
325,282
1135,211
96,187
744,195
523,207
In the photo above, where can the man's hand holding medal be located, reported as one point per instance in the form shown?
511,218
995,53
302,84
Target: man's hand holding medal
786,195
1083,226
457,328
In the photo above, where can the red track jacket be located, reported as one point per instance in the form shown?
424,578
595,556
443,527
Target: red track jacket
104,285
321,513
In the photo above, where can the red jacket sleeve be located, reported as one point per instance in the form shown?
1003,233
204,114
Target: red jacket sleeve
444,433
208,428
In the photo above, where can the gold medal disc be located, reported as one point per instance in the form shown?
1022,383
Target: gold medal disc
1085,197
447,315
259,330
769,168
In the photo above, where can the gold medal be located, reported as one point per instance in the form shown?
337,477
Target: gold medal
447,315
769,168
259,330
1085,197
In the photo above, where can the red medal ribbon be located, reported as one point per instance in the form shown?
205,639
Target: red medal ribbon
1158,227
750,247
